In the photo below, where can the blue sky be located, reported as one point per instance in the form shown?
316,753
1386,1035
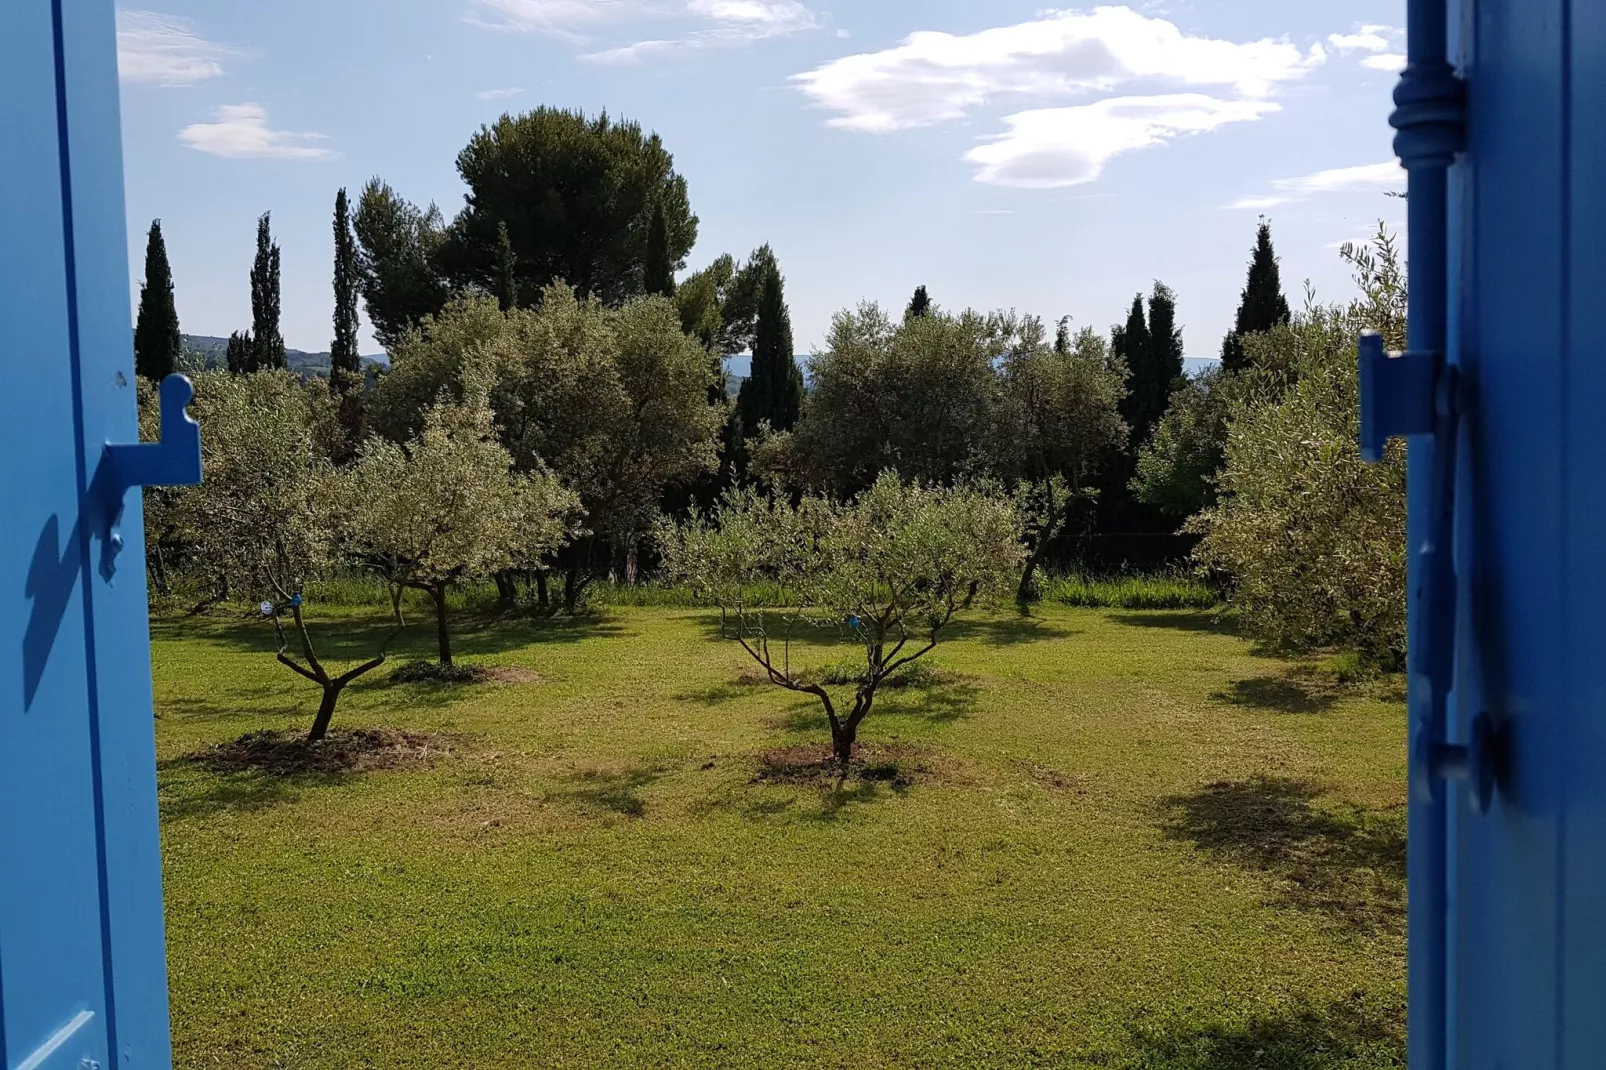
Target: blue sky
1002,154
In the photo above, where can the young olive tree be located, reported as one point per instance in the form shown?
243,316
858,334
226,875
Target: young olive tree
445,508
264,518
895,566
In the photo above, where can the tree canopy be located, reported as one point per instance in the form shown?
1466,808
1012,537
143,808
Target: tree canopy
579,196
893,567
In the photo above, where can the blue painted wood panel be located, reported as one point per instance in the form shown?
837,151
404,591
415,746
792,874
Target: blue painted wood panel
1527,977
81,948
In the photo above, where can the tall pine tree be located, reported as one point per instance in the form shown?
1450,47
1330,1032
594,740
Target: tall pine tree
1262,305
919,304
659,272
773,392
157,343
268,342
507,262
344,361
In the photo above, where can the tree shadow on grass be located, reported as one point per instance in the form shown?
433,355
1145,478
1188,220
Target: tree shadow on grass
1281,694
1356,1031
615,791
941,704
1181,620
189,791
358,638
1000,630
1345,862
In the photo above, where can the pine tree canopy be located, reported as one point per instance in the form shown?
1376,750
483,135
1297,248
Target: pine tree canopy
157,342
578,195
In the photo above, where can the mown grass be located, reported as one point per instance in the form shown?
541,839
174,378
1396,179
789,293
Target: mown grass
1122,838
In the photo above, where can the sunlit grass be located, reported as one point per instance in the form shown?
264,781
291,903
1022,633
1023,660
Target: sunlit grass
1113,838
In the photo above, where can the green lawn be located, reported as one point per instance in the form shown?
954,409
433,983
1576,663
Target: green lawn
1118,839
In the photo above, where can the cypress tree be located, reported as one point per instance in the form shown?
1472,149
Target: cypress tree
507,281
1262,305
241,356
1165,360
268,342
659,272
919,305
1062,336
343,357
774,390
1131,342
157,343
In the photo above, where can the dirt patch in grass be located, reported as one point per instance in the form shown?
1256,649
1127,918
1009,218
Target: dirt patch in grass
511,674
1053,779
344,750
894,764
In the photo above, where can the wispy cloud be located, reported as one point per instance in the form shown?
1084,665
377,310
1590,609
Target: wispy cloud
1377,41
1053,147
1378,177
935,77
157,49
499,94
695,24
242,132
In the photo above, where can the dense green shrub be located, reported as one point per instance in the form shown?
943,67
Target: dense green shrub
1311,537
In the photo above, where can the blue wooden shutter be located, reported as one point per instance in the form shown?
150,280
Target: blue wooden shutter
82,975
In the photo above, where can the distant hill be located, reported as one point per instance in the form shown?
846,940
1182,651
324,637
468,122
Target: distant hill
212,351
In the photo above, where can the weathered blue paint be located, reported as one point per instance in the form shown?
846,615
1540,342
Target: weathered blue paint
82,975
1508,688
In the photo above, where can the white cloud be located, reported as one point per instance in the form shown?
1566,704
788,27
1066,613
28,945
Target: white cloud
934,77
1378,177
1367,39
1375,39
499,94
1053,147
560,18
242,132
159,49
703,23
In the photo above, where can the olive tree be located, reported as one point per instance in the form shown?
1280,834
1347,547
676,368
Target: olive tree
1056,424
1311,537
445,507
914,395
613,401
264,517
894,567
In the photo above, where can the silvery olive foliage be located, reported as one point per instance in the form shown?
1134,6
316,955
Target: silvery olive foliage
893,567
1311,538
259,523
446,507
